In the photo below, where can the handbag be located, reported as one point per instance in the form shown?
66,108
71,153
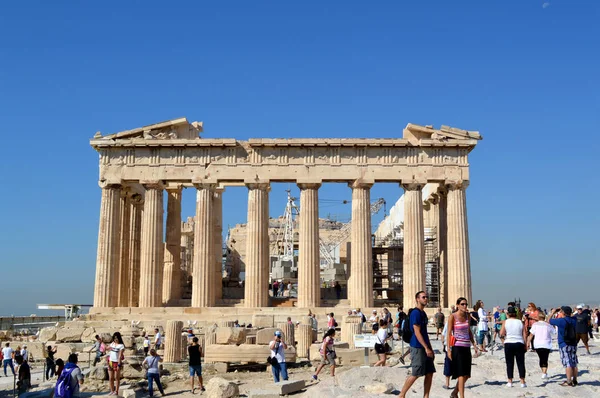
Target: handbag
451,341
386,346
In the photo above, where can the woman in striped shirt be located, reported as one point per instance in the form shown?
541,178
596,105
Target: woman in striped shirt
460,351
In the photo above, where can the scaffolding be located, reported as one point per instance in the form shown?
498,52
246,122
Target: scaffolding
432,267
388,262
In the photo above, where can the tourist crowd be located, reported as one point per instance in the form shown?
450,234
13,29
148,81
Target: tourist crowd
512,329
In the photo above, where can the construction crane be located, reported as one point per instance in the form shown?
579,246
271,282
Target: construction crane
328,246
283,245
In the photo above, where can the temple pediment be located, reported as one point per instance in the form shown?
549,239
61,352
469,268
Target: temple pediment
168,130
414,133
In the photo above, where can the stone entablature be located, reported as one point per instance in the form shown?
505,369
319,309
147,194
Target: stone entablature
201,160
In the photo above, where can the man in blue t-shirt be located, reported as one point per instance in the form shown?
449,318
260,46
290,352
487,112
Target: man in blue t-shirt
567,350
421,352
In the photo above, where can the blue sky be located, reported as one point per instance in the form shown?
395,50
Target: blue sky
523,73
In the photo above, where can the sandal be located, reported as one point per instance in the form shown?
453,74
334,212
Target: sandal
566,384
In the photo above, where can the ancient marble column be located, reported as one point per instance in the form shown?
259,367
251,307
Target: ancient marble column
203,280
151,252
360,283
309,268
173,344
459,265
256,293
413,263
442,237
107,259
172,271
350,326
123,300
288,333
135,239
218,242
305,339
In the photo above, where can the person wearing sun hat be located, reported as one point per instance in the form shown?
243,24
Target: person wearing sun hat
584,321
278,365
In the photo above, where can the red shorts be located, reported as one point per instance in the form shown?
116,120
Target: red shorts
113,365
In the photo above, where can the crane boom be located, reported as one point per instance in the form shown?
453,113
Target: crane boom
327,246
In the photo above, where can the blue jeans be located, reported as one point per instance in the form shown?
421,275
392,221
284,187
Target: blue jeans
156,378
481,336
277,368
9,363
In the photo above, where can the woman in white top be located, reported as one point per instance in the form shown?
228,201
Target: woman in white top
151,365
374,318
380,345
541,333
482,326
514,345
115,361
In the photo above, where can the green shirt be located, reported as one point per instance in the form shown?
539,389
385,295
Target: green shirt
502,317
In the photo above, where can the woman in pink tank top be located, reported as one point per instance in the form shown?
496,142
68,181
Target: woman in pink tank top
460,352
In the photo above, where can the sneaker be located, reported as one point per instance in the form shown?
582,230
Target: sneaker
509,384
544,375
314,377
202,389
523,385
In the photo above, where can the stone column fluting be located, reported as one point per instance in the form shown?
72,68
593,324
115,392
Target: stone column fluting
203,268
171,293
350,326
135,239
459,265
174,346
123,300
218,242
305,339
413,263
443,247
151,253
107,259
288,330
309,260
256,293
360,283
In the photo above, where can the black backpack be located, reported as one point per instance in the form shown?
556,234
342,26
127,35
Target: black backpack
405,327
570,337
363,318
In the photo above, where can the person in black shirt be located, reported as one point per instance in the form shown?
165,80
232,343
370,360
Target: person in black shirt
582,327
24,371
195,352
474,321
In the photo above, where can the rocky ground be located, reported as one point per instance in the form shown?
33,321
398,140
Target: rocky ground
488,380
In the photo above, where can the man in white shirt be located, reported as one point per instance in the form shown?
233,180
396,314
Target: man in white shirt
8,354
25,353
157,339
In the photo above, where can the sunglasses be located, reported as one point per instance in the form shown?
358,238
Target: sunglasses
463,304
424,297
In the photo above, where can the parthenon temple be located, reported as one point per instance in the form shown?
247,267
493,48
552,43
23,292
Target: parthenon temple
139,264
